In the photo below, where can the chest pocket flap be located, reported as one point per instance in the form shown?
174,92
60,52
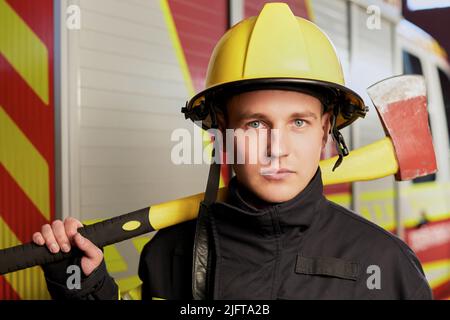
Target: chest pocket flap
327,266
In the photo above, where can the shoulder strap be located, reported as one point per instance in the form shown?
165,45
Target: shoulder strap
202,249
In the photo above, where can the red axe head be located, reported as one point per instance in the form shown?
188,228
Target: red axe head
401,103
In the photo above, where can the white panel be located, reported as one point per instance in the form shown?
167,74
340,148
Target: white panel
129,93
103,61
149,15
331,17
125,26
129,102
125,47
119,82
136,121
372,59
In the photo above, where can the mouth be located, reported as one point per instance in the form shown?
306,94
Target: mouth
276,174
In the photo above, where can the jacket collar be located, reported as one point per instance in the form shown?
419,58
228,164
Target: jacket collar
300,211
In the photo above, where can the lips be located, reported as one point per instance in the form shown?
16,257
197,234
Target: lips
276,174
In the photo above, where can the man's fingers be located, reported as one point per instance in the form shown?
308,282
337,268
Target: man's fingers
50,241
93,256
90,250
60,235
38,238
71,225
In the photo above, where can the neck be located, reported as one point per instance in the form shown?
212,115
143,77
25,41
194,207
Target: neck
251,198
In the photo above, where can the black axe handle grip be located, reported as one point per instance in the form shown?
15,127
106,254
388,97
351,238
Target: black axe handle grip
103,233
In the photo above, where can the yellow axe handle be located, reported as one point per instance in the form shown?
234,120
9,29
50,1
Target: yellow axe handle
374,161
370,162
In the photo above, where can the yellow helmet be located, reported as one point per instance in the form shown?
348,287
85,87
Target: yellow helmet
276,50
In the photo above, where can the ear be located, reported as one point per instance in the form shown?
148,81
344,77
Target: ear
326,125
221,122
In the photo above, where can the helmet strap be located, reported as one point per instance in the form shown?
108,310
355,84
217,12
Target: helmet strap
341,147
203,252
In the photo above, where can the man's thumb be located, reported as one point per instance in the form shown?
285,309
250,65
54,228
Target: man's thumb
93,256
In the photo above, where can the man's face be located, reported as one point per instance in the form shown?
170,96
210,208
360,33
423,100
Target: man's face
288,156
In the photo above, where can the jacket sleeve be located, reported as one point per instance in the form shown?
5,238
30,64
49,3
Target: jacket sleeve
423,293
414,279
99,285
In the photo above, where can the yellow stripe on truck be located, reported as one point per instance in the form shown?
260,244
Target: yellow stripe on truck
437,272
24,163
24,51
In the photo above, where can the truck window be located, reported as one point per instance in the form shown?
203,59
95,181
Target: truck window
412,65
445,87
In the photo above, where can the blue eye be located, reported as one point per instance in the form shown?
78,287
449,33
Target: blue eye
299,122
254,124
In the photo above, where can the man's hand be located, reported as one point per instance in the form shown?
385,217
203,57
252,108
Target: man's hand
63,235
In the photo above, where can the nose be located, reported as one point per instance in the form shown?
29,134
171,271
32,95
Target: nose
278,144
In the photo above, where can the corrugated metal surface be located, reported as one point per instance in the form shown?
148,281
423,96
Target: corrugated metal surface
332,18
26,133
372,59
373,56
130,90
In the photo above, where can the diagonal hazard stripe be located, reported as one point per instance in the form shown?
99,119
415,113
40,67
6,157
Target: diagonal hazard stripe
17,210
24,51
172,29
180,54
25,108
6,291
25,164
28,283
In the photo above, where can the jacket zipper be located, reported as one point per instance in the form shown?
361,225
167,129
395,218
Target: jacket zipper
277,231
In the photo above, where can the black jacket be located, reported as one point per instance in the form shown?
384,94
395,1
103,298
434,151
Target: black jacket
305,248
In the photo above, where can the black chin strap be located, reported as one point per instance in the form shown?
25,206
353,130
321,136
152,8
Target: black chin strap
202,253
341,147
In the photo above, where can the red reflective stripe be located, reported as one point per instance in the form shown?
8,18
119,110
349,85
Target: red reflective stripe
199,30
34,118
17,210
38,15
253,7
435,252
6,291
442,291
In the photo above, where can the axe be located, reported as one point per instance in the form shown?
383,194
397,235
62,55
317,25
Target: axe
406,151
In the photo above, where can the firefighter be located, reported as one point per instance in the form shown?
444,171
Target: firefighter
275,236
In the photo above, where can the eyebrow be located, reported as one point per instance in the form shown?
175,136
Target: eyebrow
305,114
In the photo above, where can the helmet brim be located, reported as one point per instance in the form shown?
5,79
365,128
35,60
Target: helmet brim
351,105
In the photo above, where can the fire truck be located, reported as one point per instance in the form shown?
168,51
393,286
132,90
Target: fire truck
90,92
